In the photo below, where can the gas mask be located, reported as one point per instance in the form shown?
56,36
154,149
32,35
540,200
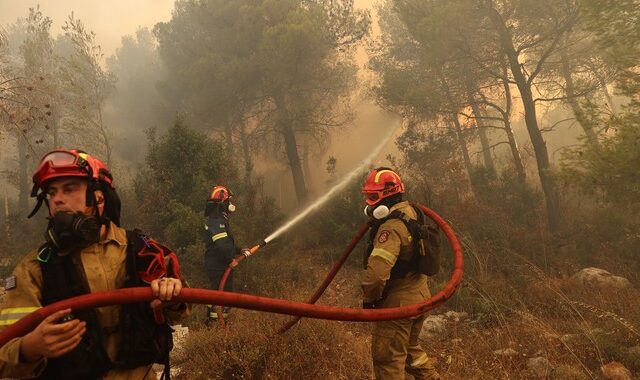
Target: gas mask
231,207
73,230
377,211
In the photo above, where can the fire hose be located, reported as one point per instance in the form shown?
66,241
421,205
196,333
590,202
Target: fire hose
246,301
444,226
336,267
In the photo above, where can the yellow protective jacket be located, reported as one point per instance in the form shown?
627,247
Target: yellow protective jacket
105,269
392,242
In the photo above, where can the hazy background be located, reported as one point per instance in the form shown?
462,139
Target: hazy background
111,21
518,121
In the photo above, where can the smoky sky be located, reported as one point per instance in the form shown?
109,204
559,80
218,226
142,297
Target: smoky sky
114,19
110,20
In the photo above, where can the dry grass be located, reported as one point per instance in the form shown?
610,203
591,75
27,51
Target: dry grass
250,349
519,307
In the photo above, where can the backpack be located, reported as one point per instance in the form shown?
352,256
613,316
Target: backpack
426,244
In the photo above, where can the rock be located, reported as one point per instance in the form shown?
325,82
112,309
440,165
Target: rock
506,352
179,335
455,316
436,324
540,366
567,372
175,371
433,325
615,371
600,278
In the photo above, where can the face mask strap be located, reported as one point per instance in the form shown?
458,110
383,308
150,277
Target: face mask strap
42,198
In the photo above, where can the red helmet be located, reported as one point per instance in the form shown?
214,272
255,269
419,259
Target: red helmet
219,194
381,183
73,163
69,163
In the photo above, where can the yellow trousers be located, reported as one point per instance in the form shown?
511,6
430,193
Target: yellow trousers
395,349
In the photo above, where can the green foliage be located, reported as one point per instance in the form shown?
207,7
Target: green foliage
84,88
179,170
171,189
611,170
507,194
431,166
616,25
256,221
339,219
274,71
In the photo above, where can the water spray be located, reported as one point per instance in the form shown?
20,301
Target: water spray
339,186
322,200
319,202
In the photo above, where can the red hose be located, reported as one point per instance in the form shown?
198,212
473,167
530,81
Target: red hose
332,274
223,281
245,301
453,242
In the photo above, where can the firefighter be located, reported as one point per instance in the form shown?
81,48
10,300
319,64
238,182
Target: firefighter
220,245
87,251
392,279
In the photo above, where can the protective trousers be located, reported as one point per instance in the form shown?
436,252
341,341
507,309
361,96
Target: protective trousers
216,267
395,349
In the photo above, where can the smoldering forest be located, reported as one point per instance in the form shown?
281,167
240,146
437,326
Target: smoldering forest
517,121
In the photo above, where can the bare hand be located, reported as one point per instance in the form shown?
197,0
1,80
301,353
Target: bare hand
164,289
52,339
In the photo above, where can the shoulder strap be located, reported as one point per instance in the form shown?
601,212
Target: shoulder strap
402,267
64,277
134,245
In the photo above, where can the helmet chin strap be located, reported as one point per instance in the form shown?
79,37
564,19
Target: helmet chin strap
377,212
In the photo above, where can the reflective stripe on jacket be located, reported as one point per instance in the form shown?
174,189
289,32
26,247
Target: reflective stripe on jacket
104,264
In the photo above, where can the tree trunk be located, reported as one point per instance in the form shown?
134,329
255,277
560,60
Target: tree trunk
228,135
581,117
458,131
542,156
105,136
484,139
55,125
607,95
513,143
291,150
246,152
305,164
463,147
23,177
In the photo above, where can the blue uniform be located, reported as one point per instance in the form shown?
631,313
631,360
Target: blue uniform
221,249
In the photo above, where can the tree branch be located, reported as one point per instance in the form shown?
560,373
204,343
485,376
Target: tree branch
559,34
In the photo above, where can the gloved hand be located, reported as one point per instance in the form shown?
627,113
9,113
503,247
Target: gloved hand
246,252
368,305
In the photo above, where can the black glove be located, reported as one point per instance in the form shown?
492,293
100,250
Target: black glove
368,305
